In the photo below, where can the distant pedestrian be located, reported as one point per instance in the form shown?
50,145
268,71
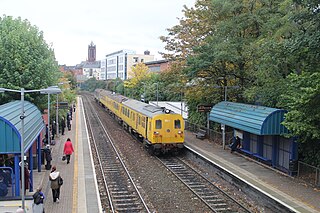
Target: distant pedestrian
68,149
48,156
38,198
68,121
54,178
236,144
70,110
74,107
63,125
54,129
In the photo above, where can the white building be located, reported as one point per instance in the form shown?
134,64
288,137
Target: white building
92,69
118,64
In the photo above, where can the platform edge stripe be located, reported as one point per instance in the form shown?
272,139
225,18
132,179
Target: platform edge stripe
92,163
75,172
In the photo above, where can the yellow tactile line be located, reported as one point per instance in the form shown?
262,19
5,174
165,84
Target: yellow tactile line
75,173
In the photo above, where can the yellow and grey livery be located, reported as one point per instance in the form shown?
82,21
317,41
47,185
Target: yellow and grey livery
160,129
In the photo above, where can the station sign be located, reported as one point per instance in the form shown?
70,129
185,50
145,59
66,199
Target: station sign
204,107
62,105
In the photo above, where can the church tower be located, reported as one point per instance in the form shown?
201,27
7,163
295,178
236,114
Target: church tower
92,52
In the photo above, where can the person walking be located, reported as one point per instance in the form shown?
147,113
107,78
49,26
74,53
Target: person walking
55,177
38,198
68,149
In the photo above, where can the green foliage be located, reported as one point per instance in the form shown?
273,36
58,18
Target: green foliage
302,100
26,61
92,84
270,48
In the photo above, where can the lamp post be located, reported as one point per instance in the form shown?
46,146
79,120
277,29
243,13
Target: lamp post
57,108
50,90
22,91
157,92
223,127
144,93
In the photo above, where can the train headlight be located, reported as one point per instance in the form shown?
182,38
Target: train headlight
180,132
156,133
167,111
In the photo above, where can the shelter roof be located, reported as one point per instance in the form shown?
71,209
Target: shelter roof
10,126
255,119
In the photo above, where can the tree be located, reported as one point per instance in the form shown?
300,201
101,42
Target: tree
138,73
26,61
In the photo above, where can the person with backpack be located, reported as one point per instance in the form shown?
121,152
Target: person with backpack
38,198
56,182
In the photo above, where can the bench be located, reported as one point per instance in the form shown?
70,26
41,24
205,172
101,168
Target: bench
201,134
246,152
263,159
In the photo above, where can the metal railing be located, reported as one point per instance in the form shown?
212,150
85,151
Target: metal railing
309,174
213,135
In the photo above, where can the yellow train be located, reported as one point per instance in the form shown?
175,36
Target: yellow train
160,129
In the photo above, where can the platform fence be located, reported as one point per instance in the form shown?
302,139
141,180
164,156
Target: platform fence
215,136
309,174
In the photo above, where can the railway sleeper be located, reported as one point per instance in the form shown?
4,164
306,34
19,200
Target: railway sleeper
214,201
218,204
117,192
126,200
136,209
127,205
124,196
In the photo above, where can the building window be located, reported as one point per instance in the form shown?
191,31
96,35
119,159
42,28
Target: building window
135,59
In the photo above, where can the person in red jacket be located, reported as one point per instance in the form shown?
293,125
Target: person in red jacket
68,149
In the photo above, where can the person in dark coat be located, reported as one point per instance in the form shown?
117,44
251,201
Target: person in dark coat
54,129
236,144
63,125
68,122
48,156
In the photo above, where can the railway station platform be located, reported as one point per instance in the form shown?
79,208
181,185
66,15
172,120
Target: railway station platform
298,197
79,190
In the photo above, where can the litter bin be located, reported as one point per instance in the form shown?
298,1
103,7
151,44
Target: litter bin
293,165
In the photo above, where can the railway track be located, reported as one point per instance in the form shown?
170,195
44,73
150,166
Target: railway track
216,199
118,191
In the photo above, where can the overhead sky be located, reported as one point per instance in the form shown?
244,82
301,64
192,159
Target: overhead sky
70,25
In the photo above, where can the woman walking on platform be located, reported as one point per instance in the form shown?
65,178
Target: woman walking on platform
68,149
56,180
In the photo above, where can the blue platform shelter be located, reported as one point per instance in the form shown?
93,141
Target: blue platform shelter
260,130
10,137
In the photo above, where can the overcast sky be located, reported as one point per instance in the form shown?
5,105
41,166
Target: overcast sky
71,25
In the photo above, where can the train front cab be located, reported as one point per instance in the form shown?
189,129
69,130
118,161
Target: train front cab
166,132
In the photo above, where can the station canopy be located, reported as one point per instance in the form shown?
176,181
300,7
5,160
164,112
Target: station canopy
10,126
255,119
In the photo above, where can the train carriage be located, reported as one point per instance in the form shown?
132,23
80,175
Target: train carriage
160,129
